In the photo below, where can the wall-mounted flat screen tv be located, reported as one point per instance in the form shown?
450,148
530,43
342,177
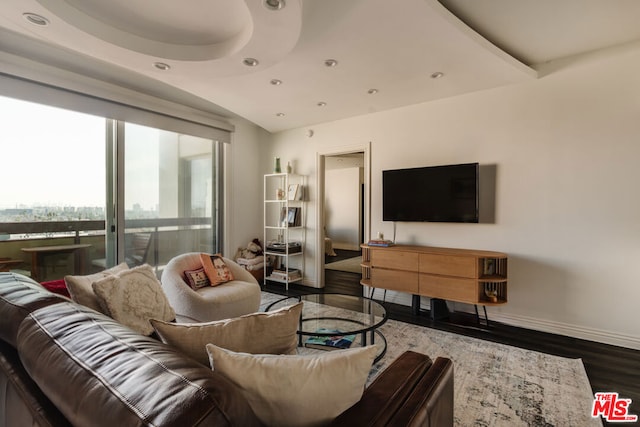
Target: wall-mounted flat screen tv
435,194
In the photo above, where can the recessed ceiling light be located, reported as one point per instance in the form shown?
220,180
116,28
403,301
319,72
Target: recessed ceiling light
36,19
250,62
372,91
274,4
437,75
280,114
330,62
322,104
276,82
162,66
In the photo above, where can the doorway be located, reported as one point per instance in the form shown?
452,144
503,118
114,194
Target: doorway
343,212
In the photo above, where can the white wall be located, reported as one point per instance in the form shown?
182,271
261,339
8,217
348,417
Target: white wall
244,159
342,207
566,148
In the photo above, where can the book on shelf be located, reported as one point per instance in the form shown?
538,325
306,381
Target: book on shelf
290,217
380,242
291,274
337,341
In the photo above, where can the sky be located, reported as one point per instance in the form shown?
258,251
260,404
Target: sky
50,156
55,157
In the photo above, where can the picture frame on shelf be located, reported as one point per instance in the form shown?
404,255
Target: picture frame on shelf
489,267
293,191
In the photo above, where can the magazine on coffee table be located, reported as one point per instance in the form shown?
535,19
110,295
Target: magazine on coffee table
337,341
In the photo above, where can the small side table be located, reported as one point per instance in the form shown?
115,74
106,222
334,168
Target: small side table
7,263
38,254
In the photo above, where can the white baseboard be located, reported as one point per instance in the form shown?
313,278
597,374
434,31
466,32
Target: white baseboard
542,325
575,331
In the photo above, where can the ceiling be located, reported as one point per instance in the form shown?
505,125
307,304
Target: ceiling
387,54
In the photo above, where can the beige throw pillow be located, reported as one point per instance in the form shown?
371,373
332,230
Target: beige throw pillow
258,333
134,296
297,390
80,286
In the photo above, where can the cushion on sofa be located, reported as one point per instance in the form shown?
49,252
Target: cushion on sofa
297,390
101,373
215,268
132,297
197,278
80,286
19,296
258,333
57,287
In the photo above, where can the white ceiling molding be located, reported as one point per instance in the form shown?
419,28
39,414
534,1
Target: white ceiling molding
391,47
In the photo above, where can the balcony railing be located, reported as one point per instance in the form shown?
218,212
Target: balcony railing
169,237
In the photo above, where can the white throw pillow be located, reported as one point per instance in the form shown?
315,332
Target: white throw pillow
273,332
134,296
80,286
297,390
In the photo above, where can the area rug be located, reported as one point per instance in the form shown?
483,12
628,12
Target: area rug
351,265
495,384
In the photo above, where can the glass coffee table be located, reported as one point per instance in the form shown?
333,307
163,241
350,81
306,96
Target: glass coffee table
338,321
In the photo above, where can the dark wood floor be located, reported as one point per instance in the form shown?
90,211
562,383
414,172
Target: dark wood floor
609,368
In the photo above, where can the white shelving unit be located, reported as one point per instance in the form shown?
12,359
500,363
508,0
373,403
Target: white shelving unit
284,227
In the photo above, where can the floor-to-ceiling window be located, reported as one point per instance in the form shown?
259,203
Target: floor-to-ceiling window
79,193
169,194
52,180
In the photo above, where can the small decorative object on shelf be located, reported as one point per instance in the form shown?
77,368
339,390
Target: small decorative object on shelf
293,191
289,168
276,165
491,291
489,267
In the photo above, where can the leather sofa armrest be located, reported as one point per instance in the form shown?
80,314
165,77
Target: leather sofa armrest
22,403
431,402
412,391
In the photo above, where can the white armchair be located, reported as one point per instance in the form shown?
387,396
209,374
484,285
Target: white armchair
232,299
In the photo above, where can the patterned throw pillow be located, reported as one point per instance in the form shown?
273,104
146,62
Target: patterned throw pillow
80,286
217,271
132,297
197,278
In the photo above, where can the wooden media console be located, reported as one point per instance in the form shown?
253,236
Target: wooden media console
463,275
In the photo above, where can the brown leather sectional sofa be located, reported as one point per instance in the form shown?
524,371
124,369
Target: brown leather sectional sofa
63,364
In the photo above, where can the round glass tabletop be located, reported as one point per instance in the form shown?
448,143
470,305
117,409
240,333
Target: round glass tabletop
336,320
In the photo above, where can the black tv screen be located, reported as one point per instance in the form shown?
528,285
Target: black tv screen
434,194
